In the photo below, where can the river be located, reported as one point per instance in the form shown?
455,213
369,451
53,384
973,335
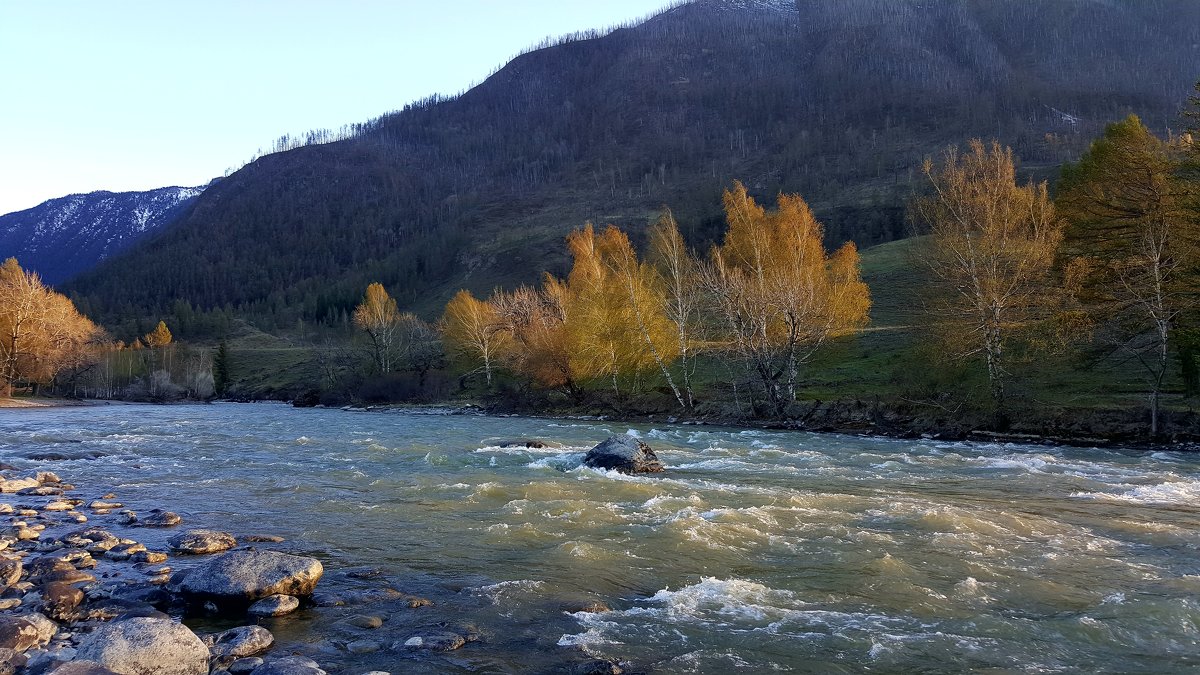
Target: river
756,551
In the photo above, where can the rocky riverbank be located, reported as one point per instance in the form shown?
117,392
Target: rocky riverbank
80,596
89,586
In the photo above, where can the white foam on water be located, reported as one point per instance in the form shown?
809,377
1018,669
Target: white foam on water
303,440
559,462
1173,493
508,589
724,600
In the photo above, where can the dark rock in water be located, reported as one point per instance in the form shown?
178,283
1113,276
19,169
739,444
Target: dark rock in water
532,443
160,518
325,599
244,666
364,573
366,621
242,641
241,577
82,668
291,665
275,605
146,646
589,606
597,667
202,541
438,641
368,596
625,454
47,456
262,538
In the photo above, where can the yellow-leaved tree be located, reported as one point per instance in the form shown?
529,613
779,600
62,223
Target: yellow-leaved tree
41,332
378,316
991,247
779,294
538,348
614,320
472,331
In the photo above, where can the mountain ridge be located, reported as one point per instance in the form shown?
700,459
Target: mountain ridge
839,101
64,236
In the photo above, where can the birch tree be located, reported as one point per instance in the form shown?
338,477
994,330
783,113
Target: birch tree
779,294
991,247
378,316
472,331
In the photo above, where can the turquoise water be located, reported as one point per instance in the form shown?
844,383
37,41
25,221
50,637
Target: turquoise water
756,551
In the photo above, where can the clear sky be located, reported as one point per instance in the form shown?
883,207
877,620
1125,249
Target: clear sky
137,94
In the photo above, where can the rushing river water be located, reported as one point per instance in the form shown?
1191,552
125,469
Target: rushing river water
756,551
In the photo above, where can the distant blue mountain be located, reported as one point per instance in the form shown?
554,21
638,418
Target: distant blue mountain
62,237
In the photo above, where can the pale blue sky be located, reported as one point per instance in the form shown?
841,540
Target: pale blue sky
137,94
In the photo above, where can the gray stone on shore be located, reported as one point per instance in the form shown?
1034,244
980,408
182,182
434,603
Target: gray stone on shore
246,576
60,599
18,633
274,605
242,642
11,661
10,572
13,485
625,454
200,542
146,646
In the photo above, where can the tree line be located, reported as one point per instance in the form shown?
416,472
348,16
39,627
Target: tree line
762,301
48,346
1106,268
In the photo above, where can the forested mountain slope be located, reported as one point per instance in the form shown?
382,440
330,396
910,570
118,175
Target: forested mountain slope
836,99
62,237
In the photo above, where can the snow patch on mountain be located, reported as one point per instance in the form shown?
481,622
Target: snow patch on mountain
62,237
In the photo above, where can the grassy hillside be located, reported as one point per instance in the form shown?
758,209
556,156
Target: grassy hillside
894,376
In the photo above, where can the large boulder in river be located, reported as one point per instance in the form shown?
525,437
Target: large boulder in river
241,577
623,453
146,646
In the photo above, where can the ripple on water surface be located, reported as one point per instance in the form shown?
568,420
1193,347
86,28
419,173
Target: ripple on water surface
757,550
